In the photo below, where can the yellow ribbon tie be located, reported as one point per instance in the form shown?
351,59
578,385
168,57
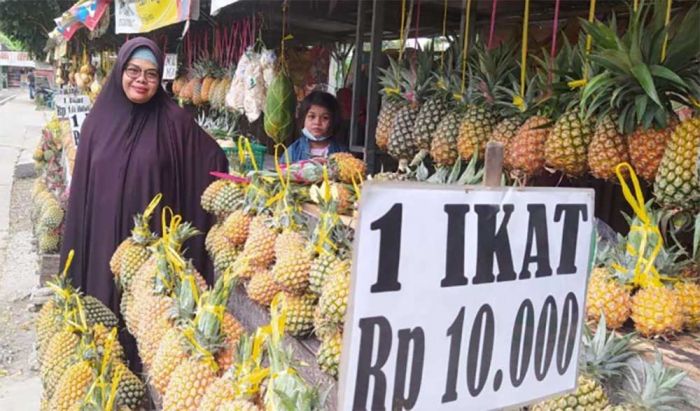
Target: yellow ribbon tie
519,101
646,275
465,46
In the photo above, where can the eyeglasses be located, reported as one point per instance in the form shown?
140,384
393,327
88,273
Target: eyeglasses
134,72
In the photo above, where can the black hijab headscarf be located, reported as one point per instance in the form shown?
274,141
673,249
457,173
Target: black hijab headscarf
127,154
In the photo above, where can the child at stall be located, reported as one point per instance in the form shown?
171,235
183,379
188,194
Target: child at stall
321,117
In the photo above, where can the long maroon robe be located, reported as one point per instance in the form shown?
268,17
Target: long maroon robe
127,154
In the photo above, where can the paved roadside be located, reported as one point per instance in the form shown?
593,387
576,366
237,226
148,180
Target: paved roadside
20,130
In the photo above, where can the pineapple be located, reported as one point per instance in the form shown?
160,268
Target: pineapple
210,193
334,297
227,198
289,243
655,390
98,313
491,69
402,144
131,391
57,358
647,149
236,226
347,168
443,148
218,393
429,117
171,352
320,269
603,357
328,354
300,313
135,250
212,76
505,131
259,248
201,70
656,311
150,338
607,297
262,288
566,148
677,181
391,103
291,273
689,299
525,153
205,337
73,386
232,331
608,149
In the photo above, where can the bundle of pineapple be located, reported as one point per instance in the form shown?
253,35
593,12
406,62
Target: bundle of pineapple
217,94
634,102
72,331
47,215
606,374
646,284
251,386
50,145
204,349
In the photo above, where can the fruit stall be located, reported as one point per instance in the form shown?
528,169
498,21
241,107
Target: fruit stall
540,104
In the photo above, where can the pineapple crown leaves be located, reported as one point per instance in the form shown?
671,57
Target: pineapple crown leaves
604,353
655,387
390,79
187,295
636,81
490,70
472,174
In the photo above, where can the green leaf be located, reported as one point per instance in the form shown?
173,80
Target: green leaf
642,74
640,104
663,72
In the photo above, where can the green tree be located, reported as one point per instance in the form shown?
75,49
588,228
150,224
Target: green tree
29,22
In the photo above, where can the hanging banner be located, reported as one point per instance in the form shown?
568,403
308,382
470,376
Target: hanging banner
480,309
85,13
141,16
217,5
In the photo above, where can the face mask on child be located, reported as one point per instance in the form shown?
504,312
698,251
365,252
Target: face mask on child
311,137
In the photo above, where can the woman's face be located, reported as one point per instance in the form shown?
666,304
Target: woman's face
318,121
140,80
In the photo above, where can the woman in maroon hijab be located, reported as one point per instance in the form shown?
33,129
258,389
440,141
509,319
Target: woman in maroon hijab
135,143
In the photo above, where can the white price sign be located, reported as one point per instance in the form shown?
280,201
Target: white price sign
465,299
67,105
170,66
76,124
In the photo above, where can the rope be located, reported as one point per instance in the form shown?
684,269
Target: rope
668,20
402,39
555,32
444,35
519,100
465,46
492,29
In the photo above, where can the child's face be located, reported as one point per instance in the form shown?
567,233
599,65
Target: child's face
318,121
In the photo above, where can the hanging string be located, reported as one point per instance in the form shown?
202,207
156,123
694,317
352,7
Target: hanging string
492,29
465,46
519,100
555,30
636,5
444,34
285,36
402,40
417,24
668,20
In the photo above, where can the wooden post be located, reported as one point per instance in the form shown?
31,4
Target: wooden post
357,75
493,164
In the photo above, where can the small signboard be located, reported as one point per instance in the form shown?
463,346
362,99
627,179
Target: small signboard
170,66
465,299
76,124
69,104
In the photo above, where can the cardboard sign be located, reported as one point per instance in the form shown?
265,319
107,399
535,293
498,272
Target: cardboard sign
69,104
76,124
170,66
465,299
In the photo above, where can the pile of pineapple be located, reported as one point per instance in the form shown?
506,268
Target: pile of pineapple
263,236
579,113
48,204
81,361
194,353
206,83
660,294
608,382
